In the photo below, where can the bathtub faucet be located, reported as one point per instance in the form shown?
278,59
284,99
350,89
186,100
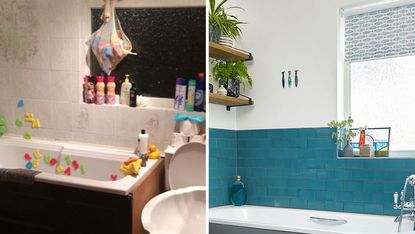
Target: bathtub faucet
405,206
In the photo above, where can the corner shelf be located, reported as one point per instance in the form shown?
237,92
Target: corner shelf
228,54
229,101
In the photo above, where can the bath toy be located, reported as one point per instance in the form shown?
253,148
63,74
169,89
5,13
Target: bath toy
46,159
60,169
19,123
75,165
114,177
29,165
153,152
131,166
27,157
82,168
37,154
2,121
27,135
68,159
3,130
28,117
35,123
53,161
67,171
35,164
20,104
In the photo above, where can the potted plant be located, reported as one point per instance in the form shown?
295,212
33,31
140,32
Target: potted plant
343,134
231,74
222,24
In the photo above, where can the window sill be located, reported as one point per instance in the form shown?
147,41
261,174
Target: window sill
398,154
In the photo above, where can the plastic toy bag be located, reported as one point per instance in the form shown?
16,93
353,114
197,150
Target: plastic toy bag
109,43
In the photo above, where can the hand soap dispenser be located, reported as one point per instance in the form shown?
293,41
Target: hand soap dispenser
238,192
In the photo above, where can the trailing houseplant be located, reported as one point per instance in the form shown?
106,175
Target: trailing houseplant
231,74
223,23
343,134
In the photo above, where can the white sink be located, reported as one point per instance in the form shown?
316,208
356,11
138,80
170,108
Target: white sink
180,211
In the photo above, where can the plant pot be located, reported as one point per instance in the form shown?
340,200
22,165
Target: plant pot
233,88
348,150
226,41
214,33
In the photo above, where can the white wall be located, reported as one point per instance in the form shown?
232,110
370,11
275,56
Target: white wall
42,61
287,35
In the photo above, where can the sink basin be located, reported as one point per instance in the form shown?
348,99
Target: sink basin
180,211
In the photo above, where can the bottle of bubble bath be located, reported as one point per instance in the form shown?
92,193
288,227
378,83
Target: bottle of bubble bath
238,192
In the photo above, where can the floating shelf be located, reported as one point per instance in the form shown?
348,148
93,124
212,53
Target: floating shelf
229,101
228,54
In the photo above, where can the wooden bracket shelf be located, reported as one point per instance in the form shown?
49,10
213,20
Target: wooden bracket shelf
227,54
229,102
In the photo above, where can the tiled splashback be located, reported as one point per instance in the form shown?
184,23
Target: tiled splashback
222,165
298,168
44,66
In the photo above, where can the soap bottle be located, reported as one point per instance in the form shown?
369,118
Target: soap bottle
238,192
200,92
125,91
190,102
133,96
100,86
111,90
143,145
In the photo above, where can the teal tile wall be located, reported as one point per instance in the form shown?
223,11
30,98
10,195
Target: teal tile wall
298,168
222,165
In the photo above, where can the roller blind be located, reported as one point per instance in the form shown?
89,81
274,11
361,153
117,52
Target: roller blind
380,34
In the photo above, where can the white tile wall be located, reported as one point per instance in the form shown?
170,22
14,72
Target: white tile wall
50,84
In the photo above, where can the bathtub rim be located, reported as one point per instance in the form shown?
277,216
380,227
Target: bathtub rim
288,228
123,186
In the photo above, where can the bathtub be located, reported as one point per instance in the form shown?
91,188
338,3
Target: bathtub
257,219
100,164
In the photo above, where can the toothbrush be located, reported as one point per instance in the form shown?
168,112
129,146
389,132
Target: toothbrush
283,79
289,79
296,78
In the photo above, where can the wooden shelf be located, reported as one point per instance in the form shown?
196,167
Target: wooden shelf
229,102
228,54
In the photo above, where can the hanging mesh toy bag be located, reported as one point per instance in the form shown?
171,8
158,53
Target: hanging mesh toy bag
109,43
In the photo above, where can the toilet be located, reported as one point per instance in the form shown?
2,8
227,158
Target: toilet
182,209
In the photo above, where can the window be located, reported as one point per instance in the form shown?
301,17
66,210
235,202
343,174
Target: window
170,43
380,68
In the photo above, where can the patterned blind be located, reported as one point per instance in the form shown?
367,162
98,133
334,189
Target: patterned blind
380,34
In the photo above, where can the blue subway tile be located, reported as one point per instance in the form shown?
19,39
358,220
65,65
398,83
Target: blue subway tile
352,185
298,203
334,206
354,207
323,142
299,143
316,205
373,208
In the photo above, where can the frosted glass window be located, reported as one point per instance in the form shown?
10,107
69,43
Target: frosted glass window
382,95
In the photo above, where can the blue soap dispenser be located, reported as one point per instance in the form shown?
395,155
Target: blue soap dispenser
238,192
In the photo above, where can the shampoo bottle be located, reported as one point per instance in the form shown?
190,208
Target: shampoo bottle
238,192
111,90
180,98
200,92
133,97
100,86
190,103
125,91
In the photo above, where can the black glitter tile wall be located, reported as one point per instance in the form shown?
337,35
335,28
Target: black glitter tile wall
170,43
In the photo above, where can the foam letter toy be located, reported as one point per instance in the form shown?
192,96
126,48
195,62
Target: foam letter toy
60,169
27,136
29,165
28,117
20,104
114,177
37,154
53,161
67,171
46,159
68,159
35,123
19,123
75,165
27,157
35,164
82,168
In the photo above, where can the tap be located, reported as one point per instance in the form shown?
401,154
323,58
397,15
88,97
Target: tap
405,206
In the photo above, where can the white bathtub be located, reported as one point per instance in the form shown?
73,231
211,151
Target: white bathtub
298,220
101,164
